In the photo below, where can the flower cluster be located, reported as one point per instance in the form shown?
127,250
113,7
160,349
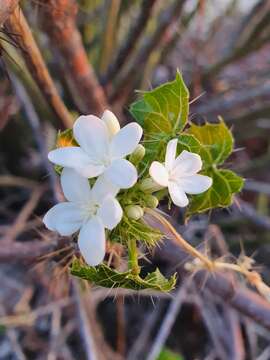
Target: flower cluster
95,171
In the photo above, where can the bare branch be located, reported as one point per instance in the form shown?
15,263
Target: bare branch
20,32
167,323
131,40
126,78
6,9
58,21
29,251
247,302
109,34
84,325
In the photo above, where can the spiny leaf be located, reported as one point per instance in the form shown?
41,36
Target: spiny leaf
105,276
192,144
164,109
217,138
225,185
216,143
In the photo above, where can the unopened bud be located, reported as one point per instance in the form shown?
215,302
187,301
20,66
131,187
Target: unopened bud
149,186
134,212
137,154
151,201
111,122
65,138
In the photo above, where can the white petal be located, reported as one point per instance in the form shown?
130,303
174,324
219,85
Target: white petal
74,157
102,188
159,173
68,156
92,135
122,173
177,194
170,154
186,164
65,218
76,188
126,140
110,212
195,184
91,241
111,122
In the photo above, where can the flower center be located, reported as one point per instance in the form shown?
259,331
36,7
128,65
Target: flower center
107,161
89,210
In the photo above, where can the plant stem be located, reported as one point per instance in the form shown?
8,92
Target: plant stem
180,241
133,257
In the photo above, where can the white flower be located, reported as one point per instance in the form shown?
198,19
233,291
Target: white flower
180,174
88,210
103,147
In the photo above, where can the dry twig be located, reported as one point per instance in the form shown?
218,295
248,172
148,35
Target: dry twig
131,40
58,21
20,32
6,9
24,214
125,79
167,323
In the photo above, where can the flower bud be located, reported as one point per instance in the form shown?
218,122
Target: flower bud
134,212
65,138
137,154
149,186
151,201
111,122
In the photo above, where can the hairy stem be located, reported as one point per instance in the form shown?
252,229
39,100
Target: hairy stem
180,241
133,257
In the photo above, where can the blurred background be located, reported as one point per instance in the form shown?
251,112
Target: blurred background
61,58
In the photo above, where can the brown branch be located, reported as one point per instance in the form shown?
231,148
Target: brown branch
109,34
34,122
19,31
6,9
167,323
29,251
58,21
84,325
253,23
258,36
247,302
126,78
24,214
131,40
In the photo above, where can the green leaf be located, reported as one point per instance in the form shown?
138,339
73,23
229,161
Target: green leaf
167,354
225,185
216,144
164,109
235,182
139,110
105,276
190,143
216,138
